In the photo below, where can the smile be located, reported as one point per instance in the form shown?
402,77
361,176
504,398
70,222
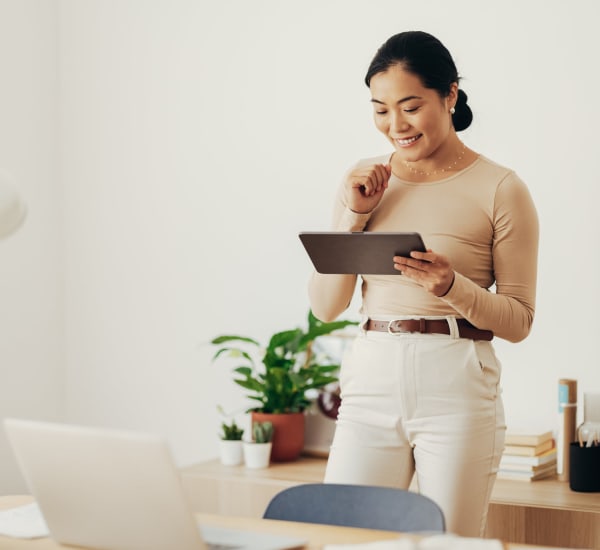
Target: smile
408,141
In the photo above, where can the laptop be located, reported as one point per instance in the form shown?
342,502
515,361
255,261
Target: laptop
117,490
361,252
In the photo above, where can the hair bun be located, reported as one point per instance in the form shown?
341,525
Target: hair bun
463,116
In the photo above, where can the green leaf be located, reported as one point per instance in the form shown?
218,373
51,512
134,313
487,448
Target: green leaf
233,352
319,382
244,371
325,368
257,398
297,379
287,339
221,339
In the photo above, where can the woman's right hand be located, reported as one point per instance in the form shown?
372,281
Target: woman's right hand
365,185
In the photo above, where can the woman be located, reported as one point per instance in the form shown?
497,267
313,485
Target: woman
420,385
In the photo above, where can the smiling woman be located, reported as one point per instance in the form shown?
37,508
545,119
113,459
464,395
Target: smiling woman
414,119
421,380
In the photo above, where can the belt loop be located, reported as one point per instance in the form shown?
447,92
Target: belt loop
453,325
363,324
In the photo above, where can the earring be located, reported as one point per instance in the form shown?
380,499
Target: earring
452,110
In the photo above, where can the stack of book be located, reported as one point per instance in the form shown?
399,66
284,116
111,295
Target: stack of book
528,457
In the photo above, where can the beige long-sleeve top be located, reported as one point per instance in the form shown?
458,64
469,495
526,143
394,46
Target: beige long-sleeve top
482,218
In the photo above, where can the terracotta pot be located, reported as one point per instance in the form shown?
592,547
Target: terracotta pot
288,435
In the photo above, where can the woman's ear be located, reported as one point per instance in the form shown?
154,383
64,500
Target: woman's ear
452,96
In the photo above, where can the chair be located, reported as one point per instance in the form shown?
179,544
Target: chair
382,508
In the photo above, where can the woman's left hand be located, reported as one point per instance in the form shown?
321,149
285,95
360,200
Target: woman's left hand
432,271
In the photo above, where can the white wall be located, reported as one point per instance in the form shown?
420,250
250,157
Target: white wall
31,261
197,138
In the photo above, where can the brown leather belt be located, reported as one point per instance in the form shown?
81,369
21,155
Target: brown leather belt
429,326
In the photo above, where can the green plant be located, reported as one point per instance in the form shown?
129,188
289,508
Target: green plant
262,432
231,431
288,367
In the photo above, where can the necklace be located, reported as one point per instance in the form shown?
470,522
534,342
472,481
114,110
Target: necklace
440,170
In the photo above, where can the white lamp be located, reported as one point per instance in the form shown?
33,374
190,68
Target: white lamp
12,207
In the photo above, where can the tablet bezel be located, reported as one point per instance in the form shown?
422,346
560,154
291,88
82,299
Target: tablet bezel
359,253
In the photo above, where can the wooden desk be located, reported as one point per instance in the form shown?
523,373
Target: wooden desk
542,512
317,535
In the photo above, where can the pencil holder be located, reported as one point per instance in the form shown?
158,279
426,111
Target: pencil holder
584,468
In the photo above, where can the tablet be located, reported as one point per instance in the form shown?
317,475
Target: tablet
362,252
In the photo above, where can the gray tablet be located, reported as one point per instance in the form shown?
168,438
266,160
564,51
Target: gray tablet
364,252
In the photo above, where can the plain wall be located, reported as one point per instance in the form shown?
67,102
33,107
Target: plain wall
32,305
184,145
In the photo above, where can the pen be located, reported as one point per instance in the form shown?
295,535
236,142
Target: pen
593,439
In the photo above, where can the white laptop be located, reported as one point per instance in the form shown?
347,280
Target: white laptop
116,490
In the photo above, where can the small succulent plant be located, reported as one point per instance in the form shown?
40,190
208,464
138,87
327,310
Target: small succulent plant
231,431
262,432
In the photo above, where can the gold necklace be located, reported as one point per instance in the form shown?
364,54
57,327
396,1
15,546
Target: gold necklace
440,170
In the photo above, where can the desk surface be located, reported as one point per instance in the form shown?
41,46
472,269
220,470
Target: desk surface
317,535
545,493
544,512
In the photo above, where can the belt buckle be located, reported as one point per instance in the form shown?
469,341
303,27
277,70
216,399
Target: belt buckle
400,329
421,330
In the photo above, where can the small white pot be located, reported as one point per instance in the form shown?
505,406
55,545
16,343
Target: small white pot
231,452
257,455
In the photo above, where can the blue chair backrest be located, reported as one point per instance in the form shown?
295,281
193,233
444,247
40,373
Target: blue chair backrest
382,508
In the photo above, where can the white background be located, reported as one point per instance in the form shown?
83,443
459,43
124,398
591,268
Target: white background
170,151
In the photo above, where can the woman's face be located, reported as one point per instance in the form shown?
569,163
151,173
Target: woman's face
415,119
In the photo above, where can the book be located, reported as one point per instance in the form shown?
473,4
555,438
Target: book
527,439
515,474
508,466
522,475
543,458
529,450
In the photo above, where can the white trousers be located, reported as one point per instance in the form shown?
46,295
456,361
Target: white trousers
428,404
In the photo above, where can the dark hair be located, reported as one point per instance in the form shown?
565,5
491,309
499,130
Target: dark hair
425,56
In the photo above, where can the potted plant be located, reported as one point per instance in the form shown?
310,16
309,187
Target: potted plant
278,377
230,445
257,453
